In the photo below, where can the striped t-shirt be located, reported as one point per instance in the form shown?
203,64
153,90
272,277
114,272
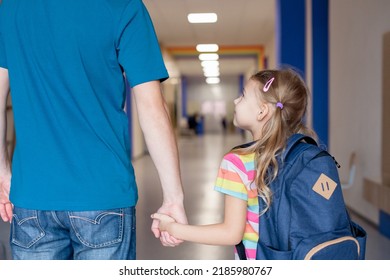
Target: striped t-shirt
236,177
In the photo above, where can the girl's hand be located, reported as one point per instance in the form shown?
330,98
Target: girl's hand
164,221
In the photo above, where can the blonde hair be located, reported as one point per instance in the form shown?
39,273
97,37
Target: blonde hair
289,91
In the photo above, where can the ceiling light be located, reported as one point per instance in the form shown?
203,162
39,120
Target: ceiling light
212,81
210,63
207,47
208,56
211,73
202,17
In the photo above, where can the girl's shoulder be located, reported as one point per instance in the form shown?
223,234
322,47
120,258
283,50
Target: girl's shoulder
234,156
242,161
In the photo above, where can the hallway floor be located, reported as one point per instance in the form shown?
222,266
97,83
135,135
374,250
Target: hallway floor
200,159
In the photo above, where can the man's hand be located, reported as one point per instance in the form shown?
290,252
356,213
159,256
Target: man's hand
164,221
177,213
5,205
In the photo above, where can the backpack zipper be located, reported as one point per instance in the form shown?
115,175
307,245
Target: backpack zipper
325,153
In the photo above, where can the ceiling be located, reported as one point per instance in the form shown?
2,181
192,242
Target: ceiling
240,23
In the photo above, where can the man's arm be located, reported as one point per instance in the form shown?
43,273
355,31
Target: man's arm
5,169
160,138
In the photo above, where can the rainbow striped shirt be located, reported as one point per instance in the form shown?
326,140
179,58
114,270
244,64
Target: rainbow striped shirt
236,177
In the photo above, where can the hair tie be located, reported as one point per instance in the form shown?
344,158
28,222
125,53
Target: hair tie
268,84
280,105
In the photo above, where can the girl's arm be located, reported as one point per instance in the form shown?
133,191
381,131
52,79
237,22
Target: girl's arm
229,232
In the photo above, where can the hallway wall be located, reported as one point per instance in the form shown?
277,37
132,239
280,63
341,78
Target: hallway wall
356,33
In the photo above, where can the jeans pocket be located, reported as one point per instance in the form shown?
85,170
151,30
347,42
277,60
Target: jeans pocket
97,229
25,228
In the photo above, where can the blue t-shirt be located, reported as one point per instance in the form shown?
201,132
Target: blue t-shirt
66,61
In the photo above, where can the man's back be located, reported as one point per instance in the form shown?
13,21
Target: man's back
66,61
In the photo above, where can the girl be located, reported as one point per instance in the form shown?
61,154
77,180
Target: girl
272,107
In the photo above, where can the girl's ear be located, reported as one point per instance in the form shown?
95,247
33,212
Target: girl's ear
263,111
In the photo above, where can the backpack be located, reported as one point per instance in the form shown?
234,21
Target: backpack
307,218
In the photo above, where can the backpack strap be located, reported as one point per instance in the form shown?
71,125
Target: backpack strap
294,140
241,251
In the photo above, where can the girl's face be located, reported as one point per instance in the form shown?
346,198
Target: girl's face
247,109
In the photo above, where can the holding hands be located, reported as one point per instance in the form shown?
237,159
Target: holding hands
164,221
168,212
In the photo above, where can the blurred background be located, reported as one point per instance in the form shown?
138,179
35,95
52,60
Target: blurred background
342,50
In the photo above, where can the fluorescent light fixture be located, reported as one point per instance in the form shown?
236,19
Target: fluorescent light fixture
208,56
210,63
202,17
212,81
211,73
207,47
211,69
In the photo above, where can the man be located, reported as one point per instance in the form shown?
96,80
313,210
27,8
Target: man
73,186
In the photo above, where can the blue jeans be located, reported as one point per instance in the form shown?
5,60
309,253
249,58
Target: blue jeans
66,235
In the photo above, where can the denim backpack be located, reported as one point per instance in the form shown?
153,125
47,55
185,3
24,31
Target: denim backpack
307,218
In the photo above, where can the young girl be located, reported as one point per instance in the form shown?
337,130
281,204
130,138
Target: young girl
271,108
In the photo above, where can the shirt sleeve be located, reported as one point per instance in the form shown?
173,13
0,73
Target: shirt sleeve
137,46
230,179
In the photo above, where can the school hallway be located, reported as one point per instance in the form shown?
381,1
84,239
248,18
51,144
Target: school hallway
200,158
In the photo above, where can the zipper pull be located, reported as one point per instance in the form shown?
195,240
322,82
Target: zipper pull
335,161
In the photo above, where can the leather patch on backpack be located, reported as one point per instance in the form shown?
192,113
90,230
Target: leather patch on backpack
325,186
